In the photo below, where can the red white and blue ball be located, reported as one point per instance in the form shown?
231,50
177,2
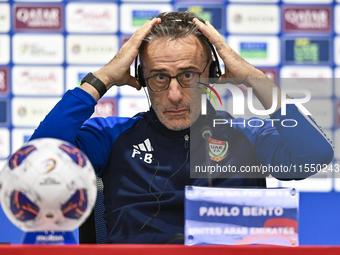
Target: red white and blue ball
48,184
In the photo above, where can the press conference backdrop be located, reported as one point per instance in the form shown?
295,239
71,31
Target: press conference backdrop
47,47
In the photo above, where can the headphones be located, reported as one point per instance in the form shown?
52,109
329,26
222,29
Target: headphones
214,69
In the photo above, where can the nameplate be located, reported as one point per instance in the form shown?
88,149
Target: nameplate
235,216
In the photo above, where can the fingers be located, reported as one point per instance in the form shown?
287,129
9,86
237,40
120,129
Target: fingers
135,42
130,49
211,33
202,27
139,35
207,29
118,69
133,82
212,28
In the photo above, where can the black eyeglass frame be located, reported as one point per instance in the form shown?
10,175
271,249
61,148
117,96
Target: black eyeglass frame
172,77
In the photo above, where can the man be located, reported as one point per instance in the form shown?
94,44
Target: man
144,160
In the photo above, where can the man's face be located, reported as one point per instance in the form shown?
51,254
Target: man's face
162,56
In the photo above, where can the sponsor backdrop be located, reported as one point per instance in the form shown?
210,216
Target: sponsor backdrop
47,47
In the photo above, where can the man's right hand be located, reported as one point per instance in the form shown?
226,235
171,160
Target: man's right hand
117,71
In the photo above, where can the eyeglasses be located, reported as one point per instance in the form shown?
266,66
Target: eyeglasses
160,82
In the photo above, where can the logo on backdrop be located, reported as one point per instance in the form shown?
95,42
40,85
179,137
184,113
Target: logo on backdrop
4,49
42,80
307,50
42,17
3,111
257,50
38,49
3,80
5,13
137,14
307,19
213,14
105,107
98,18
254,19
28,112
139,17
4,143
97,49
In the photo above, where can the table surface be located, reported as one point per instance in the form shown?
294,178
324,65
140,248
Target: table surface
158,249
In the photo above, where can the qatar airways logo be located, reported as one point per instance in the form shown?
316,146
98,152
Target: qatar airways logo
239,102
42,17
308,19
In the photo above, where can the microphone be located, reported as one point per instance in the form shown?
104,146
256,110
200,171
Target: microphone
207,134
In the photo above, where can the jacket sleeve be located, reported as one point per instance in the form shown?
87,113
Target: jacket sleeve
69,121
292,140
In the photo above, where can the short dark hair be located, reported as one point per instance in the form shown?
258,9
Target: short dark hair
176,25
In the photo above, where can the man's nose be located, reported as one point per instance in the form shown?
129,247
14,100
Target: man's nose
175,91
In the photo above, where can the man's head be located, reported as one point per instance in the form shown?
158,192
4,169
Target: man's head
176,25
175,48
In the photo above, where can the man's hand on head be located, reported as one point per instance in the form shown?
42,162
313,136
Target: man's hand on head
235,65
117,71
239,71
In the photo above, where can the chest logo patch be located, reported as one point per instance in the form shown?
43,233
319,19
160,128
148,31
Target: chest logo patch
141,151
217,149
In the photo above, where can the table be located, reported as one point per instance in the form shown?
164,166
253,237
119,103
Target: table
159,249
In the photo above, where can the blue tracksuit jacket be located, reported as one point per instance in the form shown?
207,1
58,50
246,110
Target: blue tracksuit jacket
139,160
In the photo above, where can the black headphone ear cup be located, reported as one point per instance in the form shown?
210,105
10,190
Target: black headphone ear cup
141,76
213,72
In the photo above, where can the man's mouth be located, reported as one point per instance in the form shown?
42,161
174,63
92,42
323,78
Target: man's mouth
176,111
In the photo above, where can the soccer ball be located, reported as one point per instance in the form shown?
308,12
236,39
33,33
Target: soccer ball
48,185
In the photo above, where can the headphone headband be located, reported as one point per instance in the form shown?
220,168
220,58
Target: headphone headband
218,71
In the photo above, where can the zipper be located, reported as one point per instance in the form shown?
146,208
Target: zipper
186,141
